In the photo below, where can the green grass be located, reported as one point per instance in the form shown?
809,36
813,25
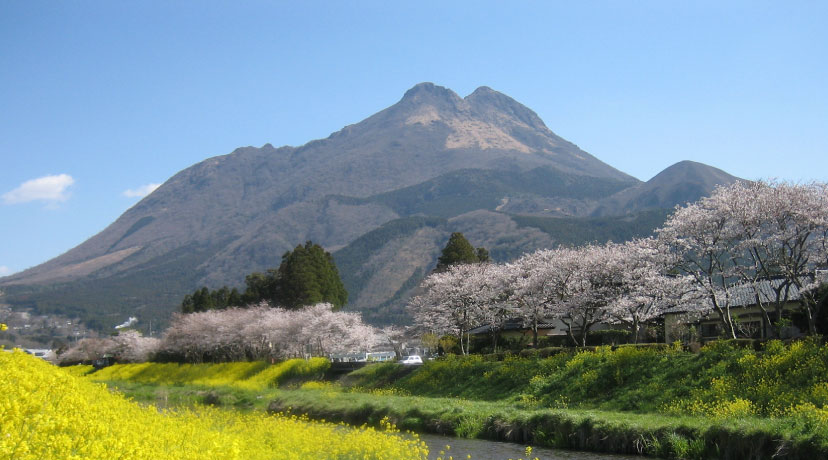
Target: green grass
594,430
726,401
582,429
713,382
171,396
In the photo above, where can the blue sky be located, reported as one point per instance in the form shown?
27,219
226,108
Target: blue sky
99,98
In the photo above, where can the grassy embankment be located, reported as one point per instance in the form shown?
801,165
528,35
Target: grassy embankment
48,413
725,401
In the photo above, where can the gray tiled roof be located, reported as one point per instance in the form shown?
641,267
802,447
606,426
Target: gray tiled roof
742,296
745,295
514,324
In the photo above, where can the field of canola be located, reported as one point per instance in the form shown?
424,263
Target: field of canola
253,375
45,412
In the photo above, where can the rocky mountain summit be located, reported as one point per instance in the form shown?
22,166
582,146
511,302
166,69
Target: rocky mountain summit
382,195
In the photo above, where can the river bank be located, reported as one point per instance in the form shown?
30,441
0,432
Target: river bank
724,401
575,429
687,437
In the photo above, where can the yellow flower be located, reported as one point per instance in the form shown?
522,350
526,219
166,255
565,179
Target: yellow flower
46,412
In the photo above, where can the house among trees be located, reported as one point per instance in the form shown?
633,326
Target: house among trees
693,323
515,329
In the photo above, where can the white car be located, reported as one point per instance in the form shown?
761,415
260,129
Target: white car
413,359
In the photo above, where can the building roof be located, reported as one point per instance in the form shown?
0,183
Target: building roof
512,324
744,295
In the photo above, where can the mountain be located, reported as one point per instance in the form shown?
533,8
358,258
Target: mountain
681,183
383,195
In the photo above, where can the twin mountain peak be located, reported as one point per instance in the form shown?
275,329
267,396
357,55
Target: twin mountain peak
383,195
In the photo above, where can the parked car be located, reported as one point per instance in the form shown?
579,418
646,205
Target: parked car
410,360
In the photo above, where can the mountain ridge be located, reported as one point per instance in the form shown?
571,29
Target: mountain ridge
473,161
678,184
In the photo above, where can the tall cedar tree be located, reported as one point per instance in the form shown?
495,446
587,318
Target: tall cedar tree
204,299
307,276
458,250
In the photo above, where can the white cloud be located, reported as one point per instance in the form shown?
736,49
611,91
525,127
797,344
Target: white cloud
5,271
51,189
141,191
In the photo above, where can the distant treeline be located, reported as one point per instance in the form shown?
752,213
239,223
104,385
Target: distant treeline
306,276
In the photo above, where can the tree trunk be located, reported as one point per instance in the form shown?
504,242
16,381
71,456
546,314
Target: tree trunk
765,314
809,305
635,327
535,333
463,350
724,315
583,336
731,329
585,325
570,334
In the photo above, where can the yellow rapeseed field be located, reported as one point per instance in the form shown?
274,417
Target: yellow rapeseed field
46,413
255,375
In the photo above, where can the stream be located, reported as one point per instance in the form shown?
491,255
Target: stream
480,449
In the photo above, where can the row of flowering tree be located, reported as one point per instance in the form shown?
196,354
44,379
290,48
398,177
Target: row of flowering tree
259,332
582,286
739,236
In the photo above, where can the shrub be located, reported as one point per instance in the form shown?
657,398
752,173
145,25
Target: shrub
608,337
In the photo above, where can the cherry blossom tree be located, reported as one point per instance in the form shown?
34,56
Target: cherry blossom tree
334,332
458,299
132,347
783,229
126,347
494,307
647,287
538,285
396,337
265,332
593,287
747,233
703,244
85,350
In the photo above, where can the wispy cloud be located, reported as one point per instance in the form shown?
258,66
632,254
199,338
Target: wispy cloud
51,189
141,191
4,270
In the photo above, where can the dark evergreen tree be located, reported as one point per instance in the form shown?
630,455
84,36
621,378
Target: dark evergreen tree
220,297
188,304
235,299
308,275
458,250
203,299
261,286
483,255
